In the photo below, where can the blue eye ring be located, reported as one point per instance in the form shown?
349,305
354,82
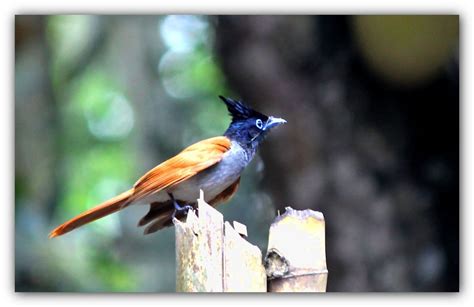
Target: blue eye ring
259,123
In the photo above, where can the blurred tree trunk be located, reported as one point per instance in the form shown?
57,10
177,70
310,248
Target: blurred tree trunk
36,143
36,120
353,148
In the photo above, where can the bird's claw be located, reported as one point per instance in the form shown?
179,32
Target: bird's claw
185,208
178,208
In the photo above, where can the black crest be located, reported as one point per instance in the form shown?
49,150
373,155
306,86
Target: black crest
240,111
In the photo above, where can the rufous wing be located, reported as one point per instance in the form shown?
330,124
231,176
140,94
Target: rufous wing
184,165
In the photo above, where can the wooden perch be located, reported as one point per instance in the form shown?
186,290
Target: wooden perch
296,256
243,268
199,250
211,257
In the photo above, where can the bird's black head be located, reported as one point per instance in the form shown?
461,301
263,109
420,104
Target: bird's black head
248,127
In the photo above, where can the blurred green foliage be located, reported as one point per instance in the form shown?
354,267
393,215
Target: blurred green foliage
103,137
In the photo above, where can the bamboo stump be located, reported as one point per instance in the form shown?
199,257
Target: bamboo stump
213,257
296,256
243,269
199,250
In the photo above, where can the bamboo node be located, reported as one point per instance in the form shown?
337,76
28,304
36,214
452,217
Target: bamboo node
275,264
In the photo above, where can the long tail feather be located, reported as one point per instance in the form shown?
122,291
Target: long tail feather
108,207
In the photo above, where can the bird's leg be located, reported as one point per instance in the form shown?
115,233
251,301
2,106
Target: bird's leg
177,207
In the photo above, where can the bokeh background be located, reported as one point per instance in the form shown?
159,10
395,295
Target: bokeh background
372,139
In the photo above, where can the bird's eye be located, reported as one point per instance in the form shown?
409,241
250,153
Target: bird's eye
259,123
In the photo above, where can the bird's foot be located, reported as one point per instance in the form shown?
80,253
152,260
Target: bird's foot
178,208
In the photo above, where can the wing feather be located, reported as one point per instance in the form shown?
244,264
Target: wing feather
184,165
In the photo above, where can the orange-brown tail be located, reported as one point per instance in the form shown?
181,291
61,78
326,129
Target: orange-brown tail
108,207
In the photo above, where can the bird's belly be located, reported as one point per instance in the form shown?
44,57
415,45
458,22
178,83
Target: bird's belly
212,182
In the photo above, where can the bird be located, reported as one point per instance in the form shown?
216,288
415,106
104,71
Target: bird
213,165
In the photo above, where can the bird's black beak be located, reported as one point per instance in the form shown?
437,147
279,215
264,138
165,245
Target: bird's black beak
273,122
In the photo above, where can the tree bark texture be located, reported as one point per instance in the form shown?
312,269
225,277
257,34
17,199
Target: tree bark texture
373,157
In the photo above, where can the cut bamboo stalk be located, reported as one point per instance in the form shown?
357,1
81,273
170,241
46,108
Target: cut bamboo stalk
296,256
199,241
243,269
214,258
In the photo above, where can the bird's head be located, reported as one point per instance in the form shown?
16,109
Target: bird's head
248,126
